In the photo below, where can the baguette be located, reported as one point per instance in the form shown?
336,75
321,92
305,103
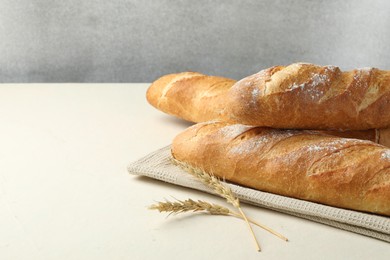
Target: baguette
196,97
191,96
307,96
346,173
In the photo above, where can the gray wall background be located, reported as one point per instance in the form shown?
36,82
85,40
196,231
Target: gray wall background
138,41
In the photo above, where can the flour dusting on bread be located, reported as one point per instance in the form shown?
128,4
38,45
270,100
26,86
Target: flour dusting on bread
232,131
386,154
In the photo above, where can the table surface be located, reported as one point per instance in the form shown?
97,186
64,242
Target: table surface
65,192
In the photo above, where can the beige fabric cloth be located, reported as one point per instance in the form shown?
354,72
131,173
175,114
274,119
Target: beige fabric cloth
158,165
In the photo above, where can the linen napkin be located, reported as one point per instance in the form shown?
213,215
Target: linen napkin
158,165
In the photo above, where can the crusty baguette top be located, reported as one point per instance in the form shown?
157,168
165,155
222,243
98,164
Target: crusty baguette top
308,96
341,172
190,95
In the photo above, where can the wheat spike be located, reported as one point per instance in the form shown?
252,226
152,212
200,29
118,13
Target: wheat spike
222,190
180,206
211,181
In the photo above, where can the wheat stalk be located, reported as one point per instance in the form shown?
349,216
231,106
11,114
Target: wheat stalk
180,206
222,190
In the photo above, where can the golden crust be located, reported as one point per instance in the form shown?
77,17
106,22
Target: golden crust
309,165
307,96
189,95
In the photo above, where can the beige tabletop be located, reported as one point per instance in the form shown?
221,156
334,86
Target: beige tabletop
65,192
